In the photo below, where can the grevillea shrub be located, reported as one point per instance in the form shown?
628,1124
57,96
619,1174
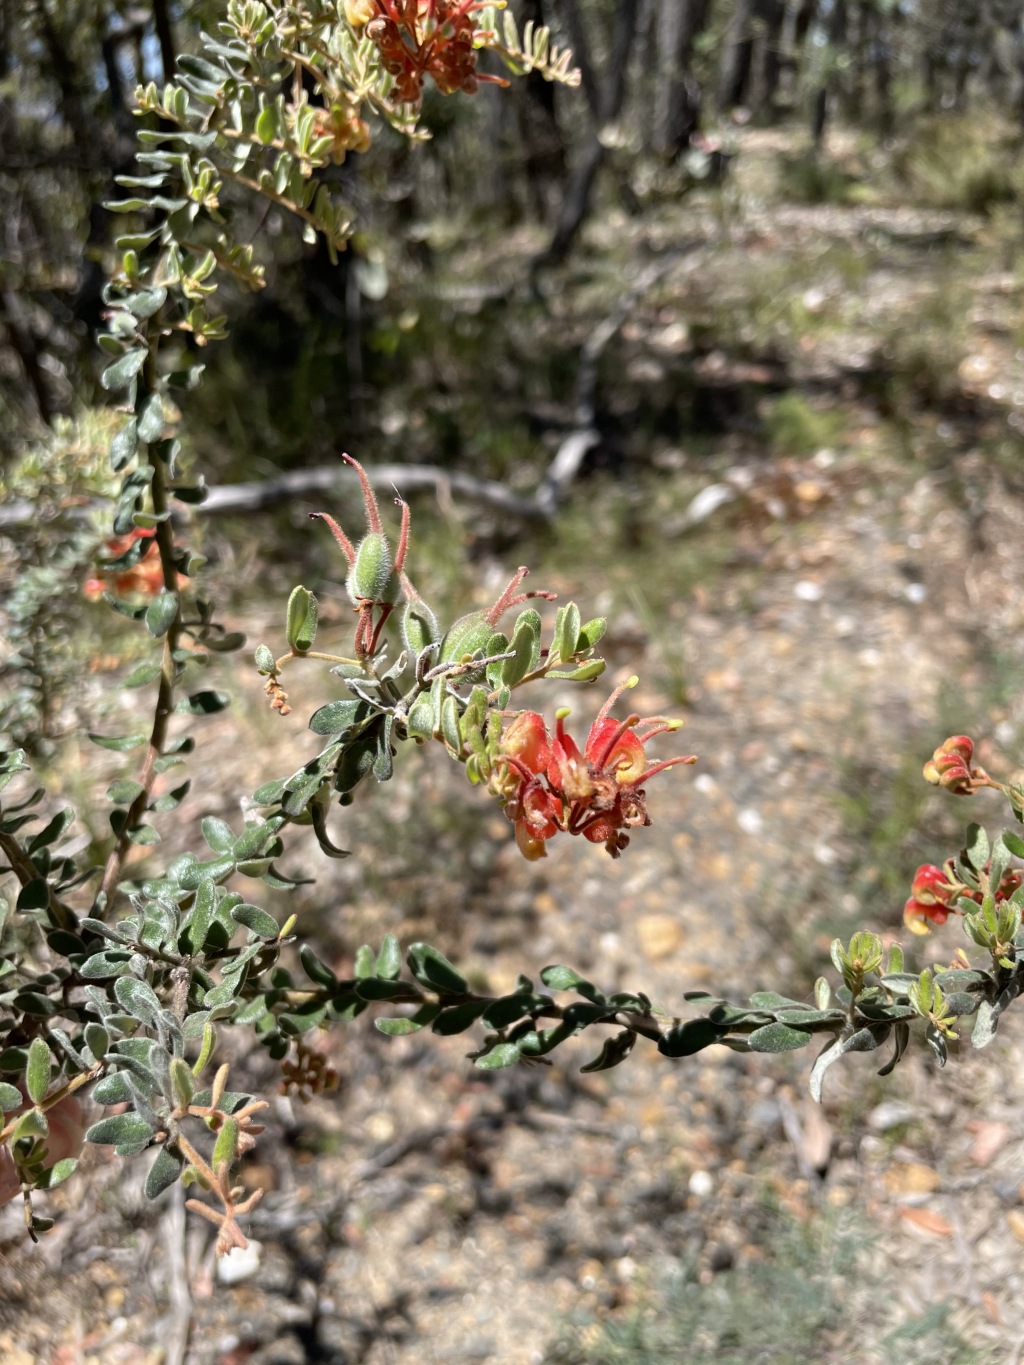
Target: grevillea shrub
122,987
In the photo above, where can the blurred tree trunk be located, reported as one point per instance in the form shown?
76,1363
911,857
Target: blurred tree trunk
835,37
734,72
769,16
882,39
576,202
678,96
85,129
580,45
165,37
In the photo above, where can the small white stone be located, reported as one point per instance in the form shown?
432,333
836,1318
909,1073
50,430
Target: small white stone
915,592
750,821
808,591
701,1184
705,783
707,501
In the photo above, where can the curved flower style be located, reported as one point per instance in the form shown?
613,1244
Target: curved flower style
548,784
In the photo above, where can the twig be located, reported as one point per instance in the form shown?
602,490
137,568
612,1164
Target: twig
585,436
178,1293
164,698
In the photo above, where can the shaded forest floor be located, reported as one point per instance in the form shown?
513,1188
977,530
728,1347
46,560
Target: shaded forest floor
847,596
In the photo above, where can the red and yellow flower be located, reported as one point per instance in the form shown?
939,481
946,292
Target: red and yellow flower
548,784
950,766
929,899
936,889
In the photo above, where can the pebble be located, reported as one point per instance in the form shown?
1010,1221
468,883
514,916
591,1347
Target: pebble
890,1114
750,821
808,591
701,1184
659,936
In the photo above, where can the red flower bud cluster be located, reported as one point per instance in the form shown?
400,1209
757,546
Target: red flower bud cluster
143,579
950,766
548,784
420,38
935,888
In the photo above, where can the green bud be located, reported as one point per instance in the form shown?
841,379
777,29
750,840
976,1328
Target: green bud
373,577
225,1149
182,1082
419,626
300,629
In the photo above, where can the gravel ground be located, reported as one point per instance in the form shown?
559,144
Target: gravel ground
425,1212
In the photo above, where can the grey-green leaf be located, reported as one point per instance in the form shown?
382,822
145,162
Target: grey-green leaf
120,1130
161,612
37,1071
777,1037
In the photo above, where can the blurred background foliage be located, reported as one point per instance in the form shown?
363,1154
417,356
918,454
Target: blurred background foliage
422,346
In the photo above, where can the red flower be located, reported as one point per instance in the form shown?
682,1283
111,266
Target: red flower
950,766
929,899
143,579
420,38
936,888
548,784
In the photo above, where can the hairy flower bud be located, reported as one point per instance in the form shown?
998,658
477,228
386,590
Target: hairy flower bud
373,577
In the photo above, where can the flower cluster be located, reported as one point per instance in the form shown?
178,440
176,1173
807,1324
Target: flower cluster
420,38
548,784
347,131
935,891
145,578
950,766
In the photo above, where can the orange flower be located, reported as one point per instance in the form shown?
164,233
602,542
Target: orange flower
929,899
143,579
420,38
548,784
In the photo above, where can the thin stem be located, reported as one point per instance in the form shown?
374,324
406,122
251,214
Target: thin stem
280,199
76,1083
165,691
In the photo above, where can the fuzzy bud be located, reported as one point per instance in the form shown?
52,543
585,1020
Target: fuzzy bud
373,577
